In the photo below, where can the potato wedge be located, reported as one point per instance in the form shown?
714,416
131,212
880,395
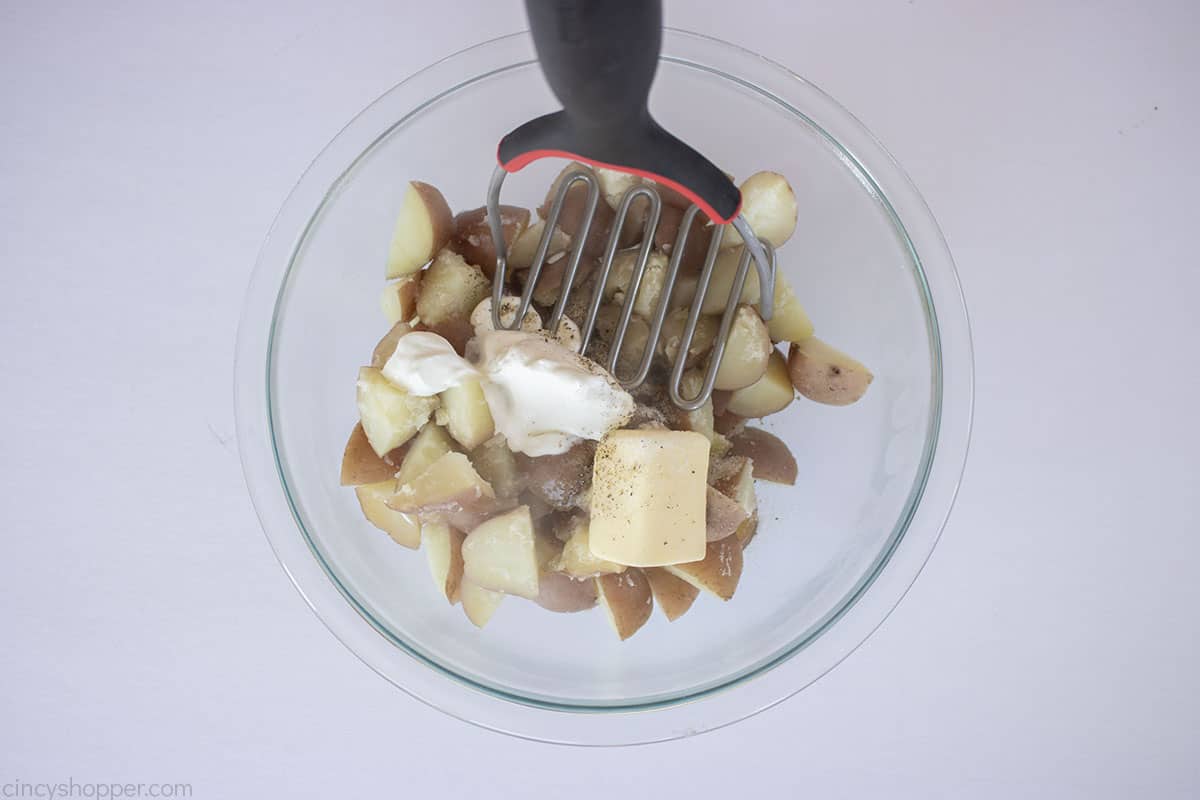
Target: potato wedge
769,205
390,416
722,515
789,321
746,351
479,603
443,549
627,601
450,491
501,554
430,444
472,237
565,595
496,464
734,478
399,298
450,289
747,531
771,393
721,284
422,228
825,374
360,463
525,247
718,573
465,414
772,459
576,558
673,595
404,529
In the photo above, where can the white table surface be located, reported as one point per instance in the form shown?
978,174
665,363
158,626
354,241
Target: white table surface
1050,648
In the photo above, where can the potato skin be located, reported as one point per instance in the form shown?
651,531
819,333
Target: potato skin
825,374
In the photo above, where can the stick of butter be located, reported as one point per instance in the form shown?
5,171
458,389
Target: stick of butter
648,497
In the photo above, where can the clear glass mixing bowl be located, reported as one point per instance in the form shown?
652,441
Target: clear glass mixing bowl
834,553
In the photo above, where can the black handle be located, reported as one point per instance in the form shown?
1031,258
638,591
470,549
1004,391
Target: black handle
599,57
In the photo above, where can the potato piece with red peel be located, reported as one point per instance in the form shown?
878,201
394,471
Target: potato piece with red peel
495,463
614,184
565,595
553,273
465,414
450,289
455,331
722,515
361,464
728,423
772,459
559,479
430,444
747,351
673,595
666,236
524,249
449,490
789,321
747,532
479,603
501,554
574,212
769,205
825,374
472,237
723,277
627,601
576,558
734,478
422,229
390,416
654,278
443,549
719,571
399,298
405,529
771,393
387,345
671,336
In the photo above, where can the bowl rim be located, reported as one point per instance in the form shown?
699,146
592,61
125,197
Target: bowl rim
709,707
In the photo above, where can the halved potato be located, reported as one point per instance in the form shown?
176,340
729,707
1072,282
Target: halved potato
479,603
450,491
722,515
563,594
430,444
789,322
746,351
472,237
404,528
443,549
501,554
450,289
721,284
769,205
399,298
626,599
718,572
772,459
825,374
387,345
494,461
361,464
465,414
577,559
525,247
673,595
390,416
423,227
770,393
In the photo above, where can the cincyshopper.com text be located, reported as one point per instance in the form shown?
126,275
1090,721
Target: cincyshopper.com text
53,790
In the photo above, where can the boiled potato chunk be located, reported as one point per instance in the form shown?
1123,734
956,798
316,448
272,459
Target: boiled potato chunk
772,459
769,205
450,289
703,337
472,237
564,594
789,322
495,462
427,447
501,554
390,416
360,463
673,595
723,516
525,247
654,277
770,393
614,184
449,490
746,351
825,374
423,228
560,479
735,480
404,528
718,572
627,601
481,317
648,497
479,603
465,414
721,284
577,558
387,345
443,549
399,298
700,420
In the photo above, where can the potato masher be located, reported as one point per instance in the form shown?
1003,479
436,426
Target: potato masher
599,58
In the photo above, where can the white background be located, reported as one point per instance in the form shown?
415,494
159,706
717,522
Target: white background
1050,648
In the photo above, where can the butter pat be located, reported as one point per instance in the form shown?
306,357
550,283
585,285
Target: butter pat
648,497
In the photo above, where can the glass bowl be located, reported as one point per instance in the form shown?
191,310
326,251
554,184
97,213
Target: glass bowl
834,553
